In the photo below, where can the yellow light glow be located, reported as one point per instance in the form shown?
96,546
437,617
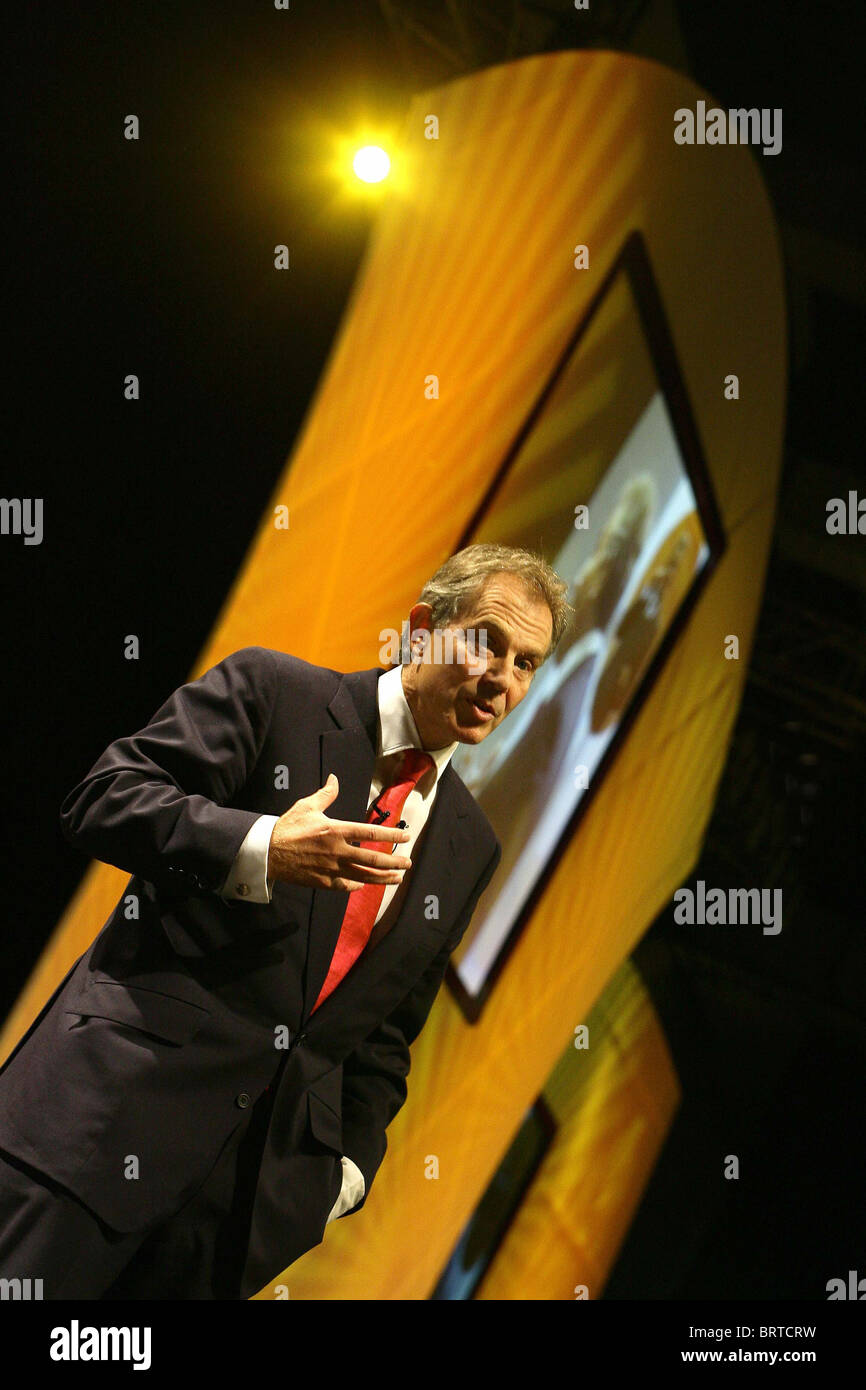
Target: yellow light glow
371,164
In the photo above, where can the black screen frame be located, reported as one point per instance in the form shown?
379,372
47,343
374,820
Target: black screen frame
543,1116
633,261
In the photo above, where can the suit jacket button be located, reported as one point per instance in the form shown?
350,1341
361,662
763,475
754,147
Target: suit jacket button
242,1101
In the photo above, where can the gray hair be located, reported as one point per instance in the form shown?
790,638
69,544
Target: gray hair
457,583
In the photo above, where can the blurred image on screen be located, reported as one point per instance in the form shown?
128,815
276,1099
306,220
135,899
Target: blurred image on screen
606,495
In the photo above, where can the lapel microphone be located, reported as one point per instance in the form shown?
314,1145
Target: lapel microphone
380,818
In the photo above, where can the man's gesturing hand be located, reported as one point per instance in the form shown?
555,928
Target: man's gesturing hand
309,849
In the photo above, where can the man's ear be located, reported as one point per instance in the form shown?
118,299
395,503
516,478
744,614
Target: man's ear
420,621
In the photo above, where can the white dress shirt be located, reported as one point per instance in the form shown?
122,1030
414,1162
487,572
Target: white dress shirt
248,877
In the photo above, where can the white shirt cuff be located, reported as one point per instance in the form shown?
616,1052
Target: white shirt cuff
351,1192
248,877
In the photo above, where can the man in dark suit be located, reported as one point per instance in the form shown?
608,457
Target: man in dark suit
211,1083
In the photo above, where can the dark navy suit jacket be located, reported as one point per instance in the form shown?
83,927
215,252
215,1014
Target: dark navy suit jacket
187,1007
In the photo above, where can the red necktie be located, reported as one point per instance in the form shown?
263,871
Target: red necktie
364,903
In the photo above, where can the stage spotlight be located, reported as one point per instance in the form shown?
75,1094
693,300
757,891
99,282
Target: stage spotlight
371,164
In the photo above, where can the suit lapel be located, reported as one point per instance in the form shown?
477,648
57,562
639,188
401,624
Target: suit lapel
444,864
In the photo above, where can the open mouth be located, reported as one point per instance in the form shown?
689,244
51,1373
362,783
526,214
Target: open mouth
483,709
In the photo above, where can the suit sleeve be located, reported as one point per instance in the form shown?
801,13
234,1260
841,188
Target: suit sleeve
374,1075
158,803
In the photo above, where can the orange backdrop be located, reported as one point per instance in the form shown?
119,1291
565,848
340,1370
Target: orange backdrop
469,275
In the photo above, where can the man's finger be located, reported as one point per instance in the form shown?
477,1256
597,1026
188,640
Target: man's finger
360,874
375,859
326,794
352,831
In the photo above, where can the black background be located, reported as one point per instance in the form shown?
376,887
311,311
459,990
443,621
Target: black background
156,257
